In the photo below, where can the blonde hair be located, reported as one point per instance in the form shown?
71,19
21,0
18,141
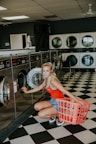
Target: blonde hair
49,64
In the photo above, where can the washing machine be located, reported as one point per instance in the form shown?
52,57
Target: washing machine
71,41
87,60
56,41
71,60
15,69
88,40
34,76
13,76
13,102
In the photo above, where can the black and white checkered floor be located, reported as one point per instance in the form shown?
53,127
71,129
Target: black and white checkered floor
38,131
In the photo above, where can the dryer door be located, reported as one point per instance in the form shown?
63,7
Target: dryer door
56,42
4,90
34,77
72,60
71,42
87,60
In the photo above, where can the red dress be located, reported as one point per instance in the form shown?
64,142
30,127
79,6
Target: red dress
55,93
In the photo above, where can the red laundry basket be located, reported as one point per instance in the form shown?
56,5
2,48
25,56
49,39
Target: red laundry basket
72,112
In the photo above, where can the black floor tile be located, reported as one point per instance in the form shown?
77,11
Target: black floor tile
93,130
18,133
41,137
84,96
74,128
48,125
69,140
29,121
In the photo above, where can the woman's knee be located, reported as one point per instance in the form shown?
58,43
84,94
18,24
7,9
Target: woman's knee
41,114
37,106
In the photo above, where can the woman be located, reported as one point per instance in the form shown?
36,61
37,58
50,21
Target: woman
49,108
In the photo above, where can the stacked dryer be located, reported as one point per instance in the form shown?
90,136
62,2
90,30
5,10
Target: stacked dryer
87,40
56,41
88,60
88,56
71,41
71,60
79,48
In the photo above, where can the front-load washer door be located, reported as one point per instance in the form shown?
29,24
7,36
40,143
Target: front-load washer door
34,77
87,60
4,90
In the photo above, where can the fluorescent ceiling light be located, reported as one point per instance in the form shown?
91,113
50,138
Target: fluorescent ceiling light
3,8
15,17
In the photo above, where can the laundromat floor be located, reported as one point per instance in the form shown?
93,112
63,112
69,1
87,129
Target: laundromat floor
39,131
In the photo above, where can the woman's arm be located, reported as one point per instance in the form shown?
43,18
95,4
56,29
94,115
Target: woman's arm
59,86
25,90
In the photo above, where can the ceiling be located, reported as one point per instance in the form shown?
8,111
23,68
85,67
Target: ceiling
48,10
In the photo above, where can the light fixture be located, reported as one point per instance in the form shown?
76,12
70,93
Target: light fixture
2,8
15,17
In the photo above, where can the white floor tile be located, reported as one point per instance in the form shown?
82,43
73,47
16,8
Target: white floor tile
34,128
22,140
59,132
88,124
91,114
86,136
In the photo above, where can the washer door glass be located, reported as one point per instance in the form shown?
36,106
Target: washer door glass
87,60
22,80
34,77
4,90
72,60
56,42
37,79
71,42
87,41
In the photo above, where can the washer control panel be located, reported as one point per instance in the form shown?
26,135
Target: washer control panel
7,63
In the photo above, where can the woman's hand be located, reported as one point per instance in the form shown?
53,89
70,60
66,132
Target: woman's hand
79,100
24,89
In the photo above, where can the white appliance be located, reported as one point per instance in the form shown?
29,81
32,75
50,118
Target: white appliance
71,40
8,52
18,41
88,40
71,59
56,41
88,60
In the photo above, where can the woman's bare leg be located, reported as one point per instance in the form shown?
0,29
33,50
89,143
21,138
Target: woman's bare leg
42,105
48,112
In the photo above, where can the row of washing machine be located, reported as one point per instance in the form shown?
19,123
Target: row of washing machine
17,70
72,40
86,60
21,68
